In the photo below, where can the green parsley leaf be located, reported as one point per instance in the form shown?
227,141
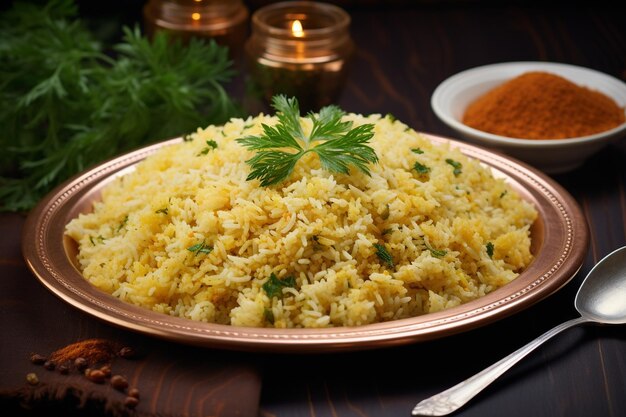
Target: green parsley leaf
437,253
417,151
391,117
98,238
211,144
281,146
490,248
272,167
503,193
268,315
274,287
383,255
201,247
420,168
122,223
164,210
456,165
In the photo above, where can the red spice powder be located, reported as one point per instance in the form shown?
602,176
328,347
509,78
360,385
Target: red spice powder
94,351
540,105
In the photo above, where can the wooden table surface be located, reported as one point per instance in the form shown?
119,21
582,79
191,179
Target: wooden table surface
403,53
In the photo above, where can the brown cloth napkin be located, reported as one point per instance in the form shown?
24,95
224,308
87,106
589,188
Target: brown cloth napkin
171,379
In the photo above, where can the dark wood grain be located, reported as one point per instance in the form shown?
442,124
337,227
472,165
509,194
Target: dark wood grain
403,53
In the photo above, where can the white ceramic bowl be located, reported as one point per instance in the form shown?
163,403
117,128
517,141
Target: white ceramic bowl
451,98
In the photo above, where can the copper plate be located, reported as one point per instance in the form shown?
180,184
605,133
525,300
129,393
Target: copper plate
559,242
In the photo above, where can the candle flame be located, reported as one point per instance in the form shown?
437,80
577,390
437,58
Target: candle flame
296,29
195,16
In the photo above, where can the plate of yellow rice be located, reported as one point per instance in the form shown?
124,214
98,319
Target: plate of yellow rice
174,240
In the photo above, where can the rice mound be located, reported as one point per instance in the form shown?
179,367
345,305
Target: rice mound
185,234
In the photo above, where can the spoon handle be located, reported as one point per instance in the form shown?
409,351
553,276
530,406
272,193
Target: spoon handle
454,398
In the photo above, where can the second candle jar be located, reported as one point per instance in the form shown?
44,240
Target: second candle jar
300,49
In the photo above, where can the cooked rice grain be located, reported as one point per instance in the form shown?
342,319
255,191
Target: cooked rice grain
319,228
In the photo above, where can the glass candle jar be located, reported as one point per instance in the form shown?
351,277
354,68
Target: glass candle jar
222,20
300,49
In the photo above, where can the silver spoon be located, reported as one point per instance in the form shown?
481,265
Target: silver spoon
600,299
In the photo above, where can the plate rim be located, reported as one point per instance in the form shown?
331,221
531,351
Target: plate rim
49,263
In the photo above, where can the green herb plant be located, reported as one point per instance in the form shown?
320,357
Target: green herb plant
335,142
67,102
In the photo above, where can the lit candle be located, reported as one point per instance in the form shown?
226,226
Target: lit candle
222,20
296,29
300,49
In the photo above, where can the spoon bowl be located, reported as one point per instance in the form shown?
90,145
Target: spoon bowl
602,295
601,299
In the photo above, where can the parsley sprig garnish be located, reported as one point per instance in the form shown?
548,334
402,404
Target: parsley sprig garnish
335,142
